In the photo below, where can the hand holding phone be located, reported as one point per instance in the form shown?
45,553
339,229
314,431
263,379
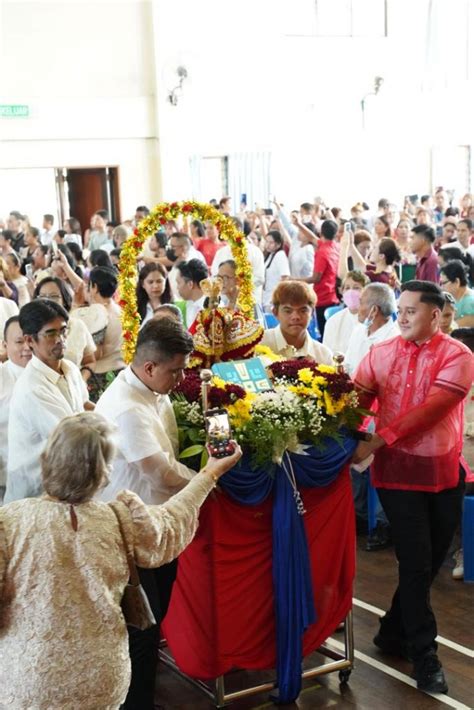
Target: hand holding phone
219,434
29,271
55,249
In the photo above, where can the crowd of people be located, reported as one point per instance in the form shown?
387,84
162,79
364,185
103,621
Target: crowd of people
324,283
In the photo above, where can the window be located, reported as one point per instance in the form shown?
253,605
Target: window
214,178
339,18
451,169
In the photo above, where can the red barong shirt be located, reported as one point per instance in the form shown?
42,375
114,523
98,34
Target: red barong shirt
420,393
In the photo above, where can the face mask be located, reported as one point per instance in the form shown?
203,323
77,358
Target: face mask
171,254
368,321
351,298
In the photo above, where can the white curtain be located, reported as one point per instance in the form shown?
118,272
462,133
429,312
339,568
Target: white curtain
448,61
195,169
249,173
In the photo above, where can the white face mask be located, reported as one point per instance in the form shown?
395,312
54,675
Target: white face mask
369,321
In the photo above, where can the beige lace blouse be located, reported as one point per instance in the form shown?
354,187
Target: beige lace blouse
63,639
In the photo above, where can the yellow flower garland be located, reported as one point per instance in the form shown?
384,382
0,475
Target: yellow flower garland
158,217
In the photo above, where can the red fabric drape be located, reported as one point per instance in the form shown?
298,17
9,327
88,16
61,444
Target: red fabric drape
221,611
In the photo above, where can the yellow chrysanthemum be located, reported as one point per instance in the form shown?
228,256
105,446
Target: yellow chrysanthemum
316,391
218,382
329,404
327,368
305,375
265,351
319,380
239,412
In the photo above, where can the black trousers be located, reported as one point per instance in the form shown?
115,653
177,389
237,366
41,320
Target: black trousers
143,645
321,319
423,526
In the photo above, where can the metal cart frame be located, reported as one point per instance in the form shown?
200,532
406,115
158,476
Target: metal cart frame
342,663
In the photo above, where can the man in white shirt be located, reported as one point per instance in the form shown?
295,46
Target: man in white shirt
180,249
465,232
376,308
255,256
48,390
375,315
19,355
293,306
339,327
48,232
190,275
146,463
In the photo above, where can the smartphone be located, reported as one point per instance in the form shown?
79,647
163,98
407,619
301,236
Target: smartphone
347,226
268,212
29,271
219,433
55,249
243,199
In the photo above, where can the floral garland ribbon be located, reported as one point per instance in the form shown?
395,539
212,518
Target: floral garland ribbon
131,249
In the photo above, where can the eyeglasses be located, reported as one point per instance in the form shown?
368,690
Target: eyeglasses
449,298
443,283
227,278
52,296
53,335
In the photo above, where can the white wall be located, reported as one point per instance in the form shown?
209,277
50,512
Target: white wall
256,86
87,72
96,76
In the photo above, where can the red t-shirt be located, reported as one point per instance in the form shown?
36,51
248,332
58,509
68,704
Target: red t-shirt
427,268
326,260
381,277
209,249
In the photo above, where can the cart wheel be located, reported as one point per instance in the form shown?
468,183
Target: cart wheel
344,676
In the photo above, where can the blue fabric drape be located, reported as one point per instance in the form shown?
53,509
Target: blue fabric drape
292,588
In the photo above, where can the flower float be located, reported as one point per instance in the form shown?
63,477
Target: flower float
132,248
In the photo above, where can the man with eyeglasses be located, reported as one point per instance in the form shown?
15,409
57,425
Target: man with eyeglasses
49,389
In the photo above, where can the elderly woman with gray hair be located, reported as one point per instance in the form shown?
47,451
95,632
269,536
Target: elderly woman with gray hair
63,571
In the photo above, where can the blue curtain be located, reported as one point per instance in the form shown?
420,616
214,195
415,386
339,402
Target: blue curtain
292,588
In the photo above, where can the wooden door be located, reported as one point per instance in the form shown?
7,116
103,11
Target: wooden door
86,190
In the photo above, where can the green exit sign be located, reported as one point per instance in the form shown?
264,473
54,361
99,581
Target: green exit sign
14,111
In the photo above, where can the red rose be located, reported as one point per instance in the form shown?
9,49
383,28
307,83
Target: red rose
190,387
163,220
135,231
187,207
127,335
122,303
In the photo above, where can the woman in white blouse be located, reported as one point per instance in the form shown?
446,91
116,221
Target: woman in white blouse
276,266
153,290
63,571
17,278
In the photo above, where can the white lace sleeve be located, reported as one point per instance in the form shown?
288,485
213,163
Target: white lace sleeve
3,557
159,533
